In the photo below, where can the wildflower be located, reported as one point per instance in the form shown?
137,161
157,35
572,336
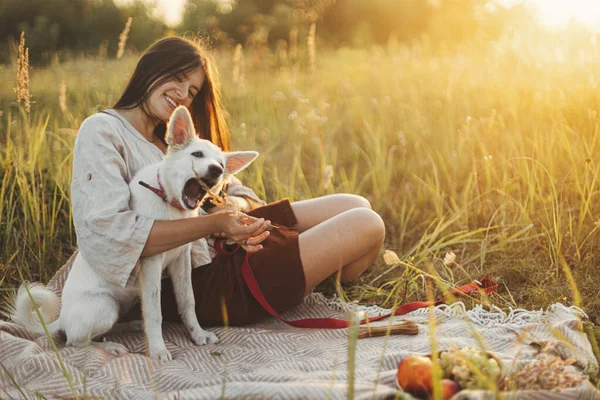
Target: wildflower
278,96
402,139
390,257
243,125
123,38
449,258
313,115
225,6
327,177
293,115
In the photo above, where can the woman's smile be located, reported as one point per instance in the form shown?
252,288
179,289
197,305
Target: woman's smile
171,102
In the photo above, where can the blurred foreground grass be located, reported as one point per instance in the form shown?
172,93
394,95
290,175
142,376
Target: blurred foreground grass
489,151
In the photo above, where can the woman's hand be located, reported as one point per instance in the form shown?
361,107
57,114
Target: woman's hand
237,204
247,231
216,209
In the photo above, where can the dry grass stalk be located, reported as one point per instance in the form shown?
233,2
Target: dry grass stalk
327,177
62,96
214,196
238,67
103,50
282,53
55,60
219,198
22,89
293,53
311,43
123,38
403,328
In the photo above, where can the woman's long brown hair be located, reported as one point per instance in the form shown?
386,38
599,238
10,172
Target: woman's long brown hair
166,59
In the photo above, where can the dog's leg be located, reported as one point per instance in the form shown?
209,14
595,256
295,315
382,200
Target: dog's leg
90,316
116,349
129,326
181,275
149,281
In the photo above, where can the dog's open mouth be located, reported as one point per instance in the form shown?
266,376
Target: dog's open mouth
193,192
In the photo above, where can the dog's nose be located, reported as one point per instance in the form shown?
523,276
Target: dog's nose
214,171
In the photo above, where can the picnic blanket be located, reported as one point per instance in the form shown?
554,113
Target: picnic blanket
273,360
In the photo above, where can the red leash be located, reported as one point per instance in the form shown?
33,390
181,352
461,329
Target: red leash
486,286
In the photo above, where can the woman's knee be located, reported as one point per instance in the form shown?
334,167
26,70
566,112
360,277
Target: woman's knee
370,223
354,201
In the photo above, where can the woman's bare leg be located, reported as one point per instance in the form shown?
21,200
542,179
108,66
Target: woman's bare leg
314,211
338,232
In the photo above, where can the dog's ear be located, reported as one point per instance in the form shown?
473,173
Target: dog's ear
181,127
235,161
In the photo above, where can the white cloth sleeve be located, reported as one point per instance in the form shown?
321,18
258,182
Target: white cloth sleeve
110,235
236,188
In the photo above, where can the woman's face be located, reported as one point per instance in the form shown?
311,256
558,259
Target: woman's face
178,91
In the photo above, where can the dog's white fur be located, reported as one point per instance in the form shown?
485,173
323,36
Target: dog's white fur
90,304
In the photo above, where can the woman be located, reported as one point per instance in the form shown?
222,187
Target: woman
315,238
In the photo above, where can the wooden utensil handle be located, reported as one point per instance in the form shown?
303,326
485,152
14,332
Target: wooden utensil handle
403,328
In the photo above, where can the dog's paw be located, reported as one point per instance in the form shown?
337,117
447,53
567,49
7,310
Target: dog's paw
114,349
160,354
211,337
202,337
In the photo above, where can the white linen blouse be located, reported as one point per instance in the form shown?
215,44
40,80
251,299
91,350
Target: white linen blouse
108,152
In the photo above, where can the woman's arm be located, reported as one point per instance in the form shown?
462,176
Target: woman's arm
242,196
110,236
166,235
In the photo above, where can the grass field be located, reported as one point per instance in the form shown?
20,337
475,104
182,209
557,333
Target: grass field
487,150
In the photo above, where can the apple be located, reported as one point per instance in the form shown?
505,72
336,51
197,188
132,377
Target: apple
415,375
449,388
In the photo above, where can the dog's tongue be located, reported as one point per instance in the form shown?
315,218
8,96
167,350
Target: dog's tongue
193,189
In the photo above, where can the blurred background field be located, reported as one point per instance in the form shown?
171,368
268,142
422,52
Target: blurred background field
471,126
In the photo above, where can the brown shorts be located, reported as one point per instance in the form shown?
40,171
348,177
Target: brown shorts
220,284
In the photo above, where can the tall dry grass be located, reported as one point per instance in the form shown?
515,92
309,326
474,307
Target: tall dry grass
123,38
487,151
22,89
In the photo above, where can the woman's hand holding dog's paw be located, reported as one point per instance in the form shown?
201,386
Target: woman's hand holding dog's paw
243,229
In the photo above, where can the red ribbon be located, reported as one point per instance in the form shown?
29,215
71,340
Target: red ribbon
485,286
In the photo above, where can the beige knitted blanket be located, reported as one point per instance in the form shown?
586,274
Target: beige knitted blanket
273,360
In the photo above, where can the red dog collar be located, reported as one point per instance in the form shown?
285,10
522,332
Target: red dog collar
161,192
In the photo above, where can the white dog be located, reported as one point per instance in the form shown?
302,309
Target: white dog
90,305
